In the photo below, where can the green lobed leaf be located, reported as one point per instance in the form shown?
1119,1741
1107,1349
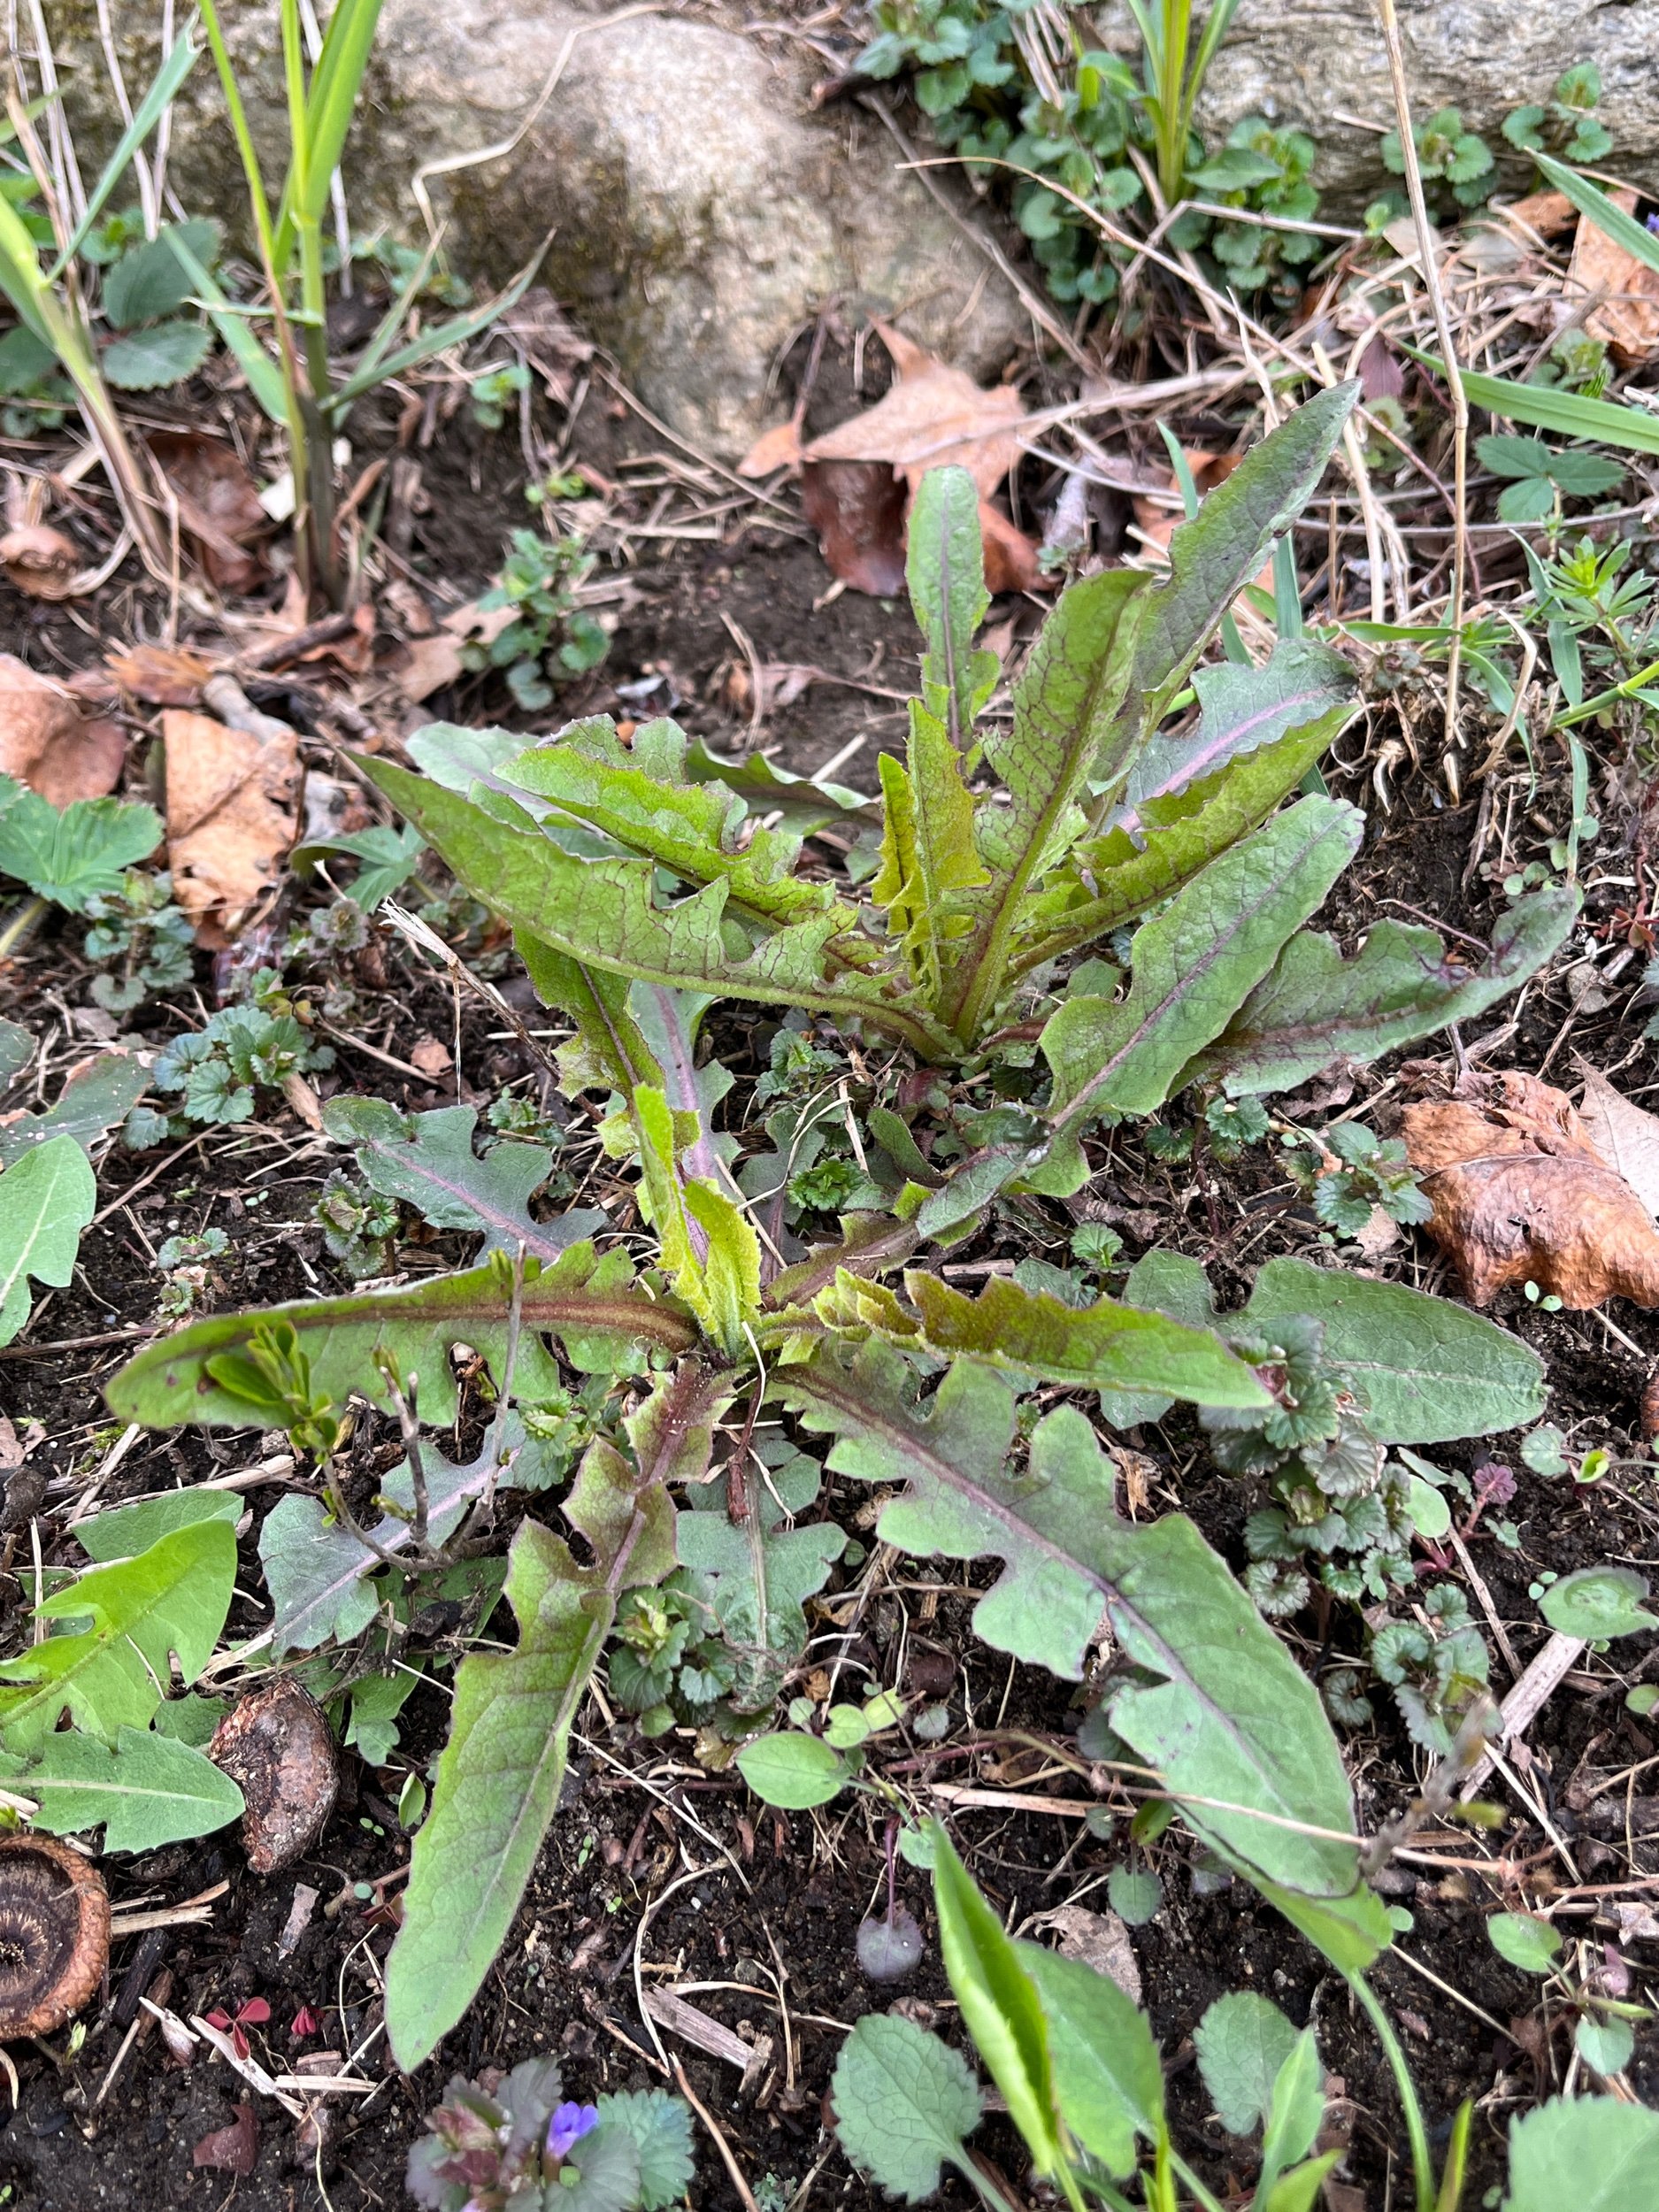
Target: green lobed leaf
1104,1345
171,1600
145,1789
604,2171
1595,2153
1225,1712
47,1198
428,1159
1243,2042
1314,1007
79,853
1000,2006
166,353
1194,964
904,2101
602,913
500,1773
755,1580
95,1097
659,2127
590,1303
151,280
1108,2081
387,858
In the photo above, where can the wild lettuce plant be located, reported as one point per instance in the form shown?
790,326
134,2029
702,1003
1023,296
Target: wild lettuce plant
1007,850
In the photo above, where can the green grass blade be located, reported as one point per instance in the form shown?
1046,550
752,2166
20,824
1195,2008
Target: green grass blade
1569,414
174,71
258,197
20,278
453,332
336,84
264,377
1593,203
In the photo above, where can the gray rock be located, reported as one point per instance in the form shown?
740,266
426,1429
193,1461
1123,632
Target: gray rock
702,210
1316,62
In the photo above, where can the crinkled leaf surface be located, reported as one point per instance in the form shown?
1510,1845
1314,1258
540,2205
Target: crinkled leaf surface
1594,2153
587,1302
1226,1713
146,1789
1242,709
1242,2042
903,2102
660,2127
500,1773
1194,964
1315,1007
46,1200
139,1613
755,1580
428,1159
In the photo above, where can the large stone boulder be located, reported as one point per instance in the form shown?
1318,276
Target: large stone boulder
701,210
1321,64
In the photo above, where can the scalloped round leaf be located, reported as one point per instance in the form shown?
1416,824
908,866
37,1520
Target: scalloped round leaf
661,2128
1597,1602
166,354
904,2101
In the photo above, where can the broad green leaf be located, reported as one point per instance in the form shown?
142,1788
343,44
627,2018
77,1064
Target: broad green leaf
709,1251
1425,1369
1594,2153
74,855
1606,2046
659,2127
801,804
1194,964
604,2172
1295,2111
1215,555
97,1096
387,858
944,571
167,353
146,1789
1242,709
1183,834
1223,1712
17,1050
602,913
47,1198
1315,1007
1065,705
1597,1603
151,280
904,2101
1243,2043
610,1051
316,1572
928,855
171,1600
1108,2081
792,1770
638,794
1000,2006
1351,1931
1526,1942
127,1530
755,1580
500,1773
428,1159
590,1303
1105,1346
376,1701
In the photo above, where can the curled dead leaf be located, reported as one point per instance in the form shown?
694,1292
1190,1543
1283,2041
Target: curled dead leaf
40,561
1521,1194
233,801
48,743
218,505
1626,316
161,675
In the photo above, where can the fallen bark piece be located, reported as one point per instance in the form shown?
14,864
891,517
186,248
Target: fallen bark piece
233,811
1521,1194
48,743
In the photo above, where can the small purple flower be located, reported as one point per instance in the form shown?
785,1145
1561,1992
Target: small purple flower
568,2126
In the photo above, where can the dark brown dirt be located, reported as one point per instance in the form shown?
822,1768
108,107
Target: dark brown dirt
763,1919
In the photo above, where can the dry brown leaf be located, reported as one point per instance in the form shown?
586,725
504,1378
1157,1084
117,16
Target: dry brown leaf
933,417
232,801
1626,1136
161,675
1545,212
425,664
218,505
1100,1940
1627,319
778,447
1521,1194
48,743
40,561
431,1056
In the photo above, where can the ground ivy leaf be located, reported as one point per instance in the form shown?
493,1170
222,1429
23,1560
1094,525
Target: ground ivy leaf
146,1789
1595,2153
47,1198
903,2102
660,2127
1242,2041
